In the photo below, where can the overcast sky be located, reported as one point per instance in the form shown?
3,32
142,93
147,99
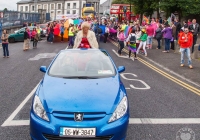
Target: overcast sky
11,4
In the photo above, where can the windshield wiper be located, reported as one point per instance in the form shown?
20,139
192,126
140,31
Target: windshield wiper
80,77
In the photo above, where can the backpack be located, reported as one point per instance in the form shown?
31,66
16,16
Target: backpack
132,39
99,30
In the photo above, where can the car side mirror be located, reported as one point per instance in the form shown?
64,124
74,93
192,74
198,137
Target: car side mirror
121,69
43,69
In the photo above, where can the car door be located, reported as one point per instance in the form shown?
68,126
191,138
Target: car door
19,35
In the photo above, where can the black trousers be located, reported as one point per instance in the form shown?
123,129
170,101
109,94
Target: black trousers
121,44
34,43
172,45
194,42
105,37
129,54
62,34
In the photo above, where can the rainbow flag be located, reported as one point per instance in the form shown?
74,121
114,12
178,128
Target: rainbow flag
146,19
169,20
126,30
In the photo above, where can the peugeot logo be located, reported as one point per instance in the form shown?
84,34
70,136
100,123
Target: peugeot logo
78,117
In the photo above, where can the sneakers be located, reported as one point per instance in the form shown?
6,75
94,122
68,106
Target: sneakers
190,66
182,65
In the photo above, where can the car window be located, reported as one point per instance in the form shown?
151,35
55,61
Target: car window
82,63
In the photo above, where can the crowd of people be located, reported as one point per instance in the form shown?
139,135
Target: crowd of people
138,37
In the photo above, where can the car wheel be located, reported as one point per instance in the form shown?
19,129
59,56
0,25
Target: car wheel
11,40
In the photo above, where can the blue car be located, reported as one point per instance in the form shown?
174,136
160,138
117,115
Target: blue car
80,97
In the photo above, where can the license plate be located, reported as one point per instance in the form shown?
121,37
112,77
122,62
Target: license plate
81,132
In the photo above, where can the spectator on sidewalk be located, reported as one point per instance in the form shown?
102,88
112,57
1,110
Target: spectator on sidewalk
62,31
173,35
178,27
4,39
150,32
167,36
185,41
194,28
138,34
143,42
189,22
158,35
51,33
26,40
107,31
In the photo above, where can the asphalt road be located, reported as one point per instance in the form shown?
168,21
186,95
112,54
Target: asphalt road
155,101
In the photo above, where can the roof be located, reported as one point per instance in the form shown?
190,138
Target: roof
24,1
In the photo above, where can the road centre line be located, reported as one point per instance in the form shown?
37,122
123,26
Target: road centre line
141,121
12,116
181,83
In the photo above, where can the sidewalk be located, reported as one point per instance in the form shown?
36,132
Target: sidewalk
171,62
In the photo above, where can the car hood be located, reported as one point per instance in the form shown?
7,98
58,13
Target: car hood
81,95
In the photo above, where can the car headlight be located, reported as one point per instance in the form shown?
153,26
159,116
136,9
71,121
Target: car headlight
120,110
39,109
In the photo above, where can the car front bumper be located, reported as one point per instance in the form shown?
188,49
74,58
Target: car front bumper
43,130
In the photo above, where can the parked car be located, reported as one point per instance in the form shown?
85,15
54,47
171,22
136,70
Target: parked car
81,96
17,23
19,34
44,29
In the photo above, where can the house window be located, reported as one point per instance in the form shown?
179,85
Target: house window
52,6
74,5
33,8
68,11
26,8
68,5
21,8
45,7
39,6
59,6
59,12
74,11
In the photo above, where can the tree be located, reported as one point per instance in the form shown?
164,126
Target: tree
5,9
120,2
182,7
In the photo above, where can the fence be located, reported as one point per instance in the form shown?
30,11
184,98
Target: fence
13,18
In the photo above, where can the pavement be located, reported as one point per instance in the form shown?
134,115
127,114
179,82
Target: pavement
160,107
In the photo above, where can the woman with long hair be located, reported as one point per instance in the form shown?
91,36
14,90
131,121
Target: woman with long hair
51,33
4,39
121,37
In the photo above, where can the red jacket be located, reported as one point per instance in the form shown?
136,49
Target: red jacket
185,40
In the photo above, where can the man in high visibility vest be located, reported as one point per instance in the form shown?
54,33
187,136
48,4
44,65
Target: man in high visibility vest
38,31
71,36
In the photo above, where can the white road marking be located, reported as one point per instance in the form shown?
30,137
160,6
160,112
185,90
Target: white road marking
132,86
127,88
43,55
164,121
142,121
172,72
12,116
126,56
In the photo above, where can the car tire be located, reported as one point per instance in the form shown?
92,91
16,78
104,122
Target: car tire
11,40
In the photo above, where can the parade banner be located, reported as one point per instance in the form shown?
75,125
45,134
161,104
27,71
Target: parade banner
67,16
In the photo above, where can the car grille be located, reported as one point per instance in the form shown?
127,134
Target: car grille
86,116
56,137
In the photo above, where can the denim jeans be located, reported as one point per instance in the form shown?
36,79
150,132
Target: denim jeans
50,37
71,41
149,40
5,49
167,44
187,51
158,43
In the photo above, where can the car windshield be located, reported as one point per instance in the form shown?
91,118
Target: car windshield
43,26
82,64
